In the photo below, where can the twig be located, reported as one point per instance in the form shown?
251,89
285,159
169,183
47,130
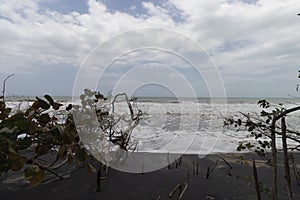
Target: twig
51,171
4,86
212,169
124,139
182,192
180,159
31,161
227,163
59,165
174,190
193,168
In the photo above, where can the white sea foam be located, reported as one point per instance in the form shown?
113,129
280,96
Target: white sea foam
188,126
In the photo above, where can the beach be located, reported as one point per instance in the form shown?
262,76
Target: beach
206,165
229,179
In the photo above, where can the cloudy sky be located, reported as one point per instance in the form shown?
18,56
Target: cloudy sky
254,45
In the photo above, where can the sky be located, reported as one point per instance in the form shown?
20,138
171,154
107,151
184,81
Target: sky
252,45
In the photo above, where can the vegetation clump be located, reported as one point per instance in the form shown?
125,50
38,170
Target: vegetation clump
43,137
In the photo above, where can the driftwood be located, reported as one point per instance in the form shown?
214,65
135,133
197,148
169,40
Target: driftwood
183,191
195,168
181,188
209,171
227,163
174,190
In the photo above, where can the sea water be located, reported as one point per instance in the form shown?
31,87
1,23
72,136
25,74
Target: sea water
197,125
189,125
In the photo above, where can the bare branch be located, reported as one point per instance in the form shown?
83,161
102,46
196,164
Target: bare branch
4,86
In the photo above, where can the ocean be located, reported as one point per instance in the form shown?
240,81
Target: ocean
188,125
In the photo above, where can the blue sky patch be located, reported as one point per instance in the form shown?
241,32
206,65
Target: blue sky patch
65,6
135,8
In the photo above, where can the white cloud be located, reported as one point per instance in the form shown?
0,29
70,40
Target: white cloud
32,37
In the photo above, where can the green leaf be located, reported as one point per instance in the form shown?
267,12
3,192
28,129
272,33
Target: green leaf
18,116
42,149
7,110
69,107
88,92
82,97
17,165
251,128
22,124
7,124
56,106
99,96
44,119
12,156
264,113
34,175
37,178
28,173
240,147
90,102
263,103
49,99
16,161
35,105
40,104
2,105
35,168
83,103
32,127
239,122
24,143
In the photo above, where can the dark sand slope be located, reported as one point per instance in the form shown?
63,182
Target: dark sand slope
223,182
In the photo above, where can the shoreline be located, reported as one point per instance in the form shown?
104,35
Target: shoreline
224,182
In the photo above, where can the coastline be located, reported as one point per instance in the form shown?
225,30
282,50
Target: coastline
223,182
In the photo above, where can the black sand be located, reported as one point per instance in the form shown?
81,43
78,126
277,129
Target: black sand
222,183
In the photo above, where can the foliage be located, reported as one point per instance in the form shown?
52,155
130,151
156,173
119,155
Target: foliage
28,138
25,136
116,126
264,129
260,127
